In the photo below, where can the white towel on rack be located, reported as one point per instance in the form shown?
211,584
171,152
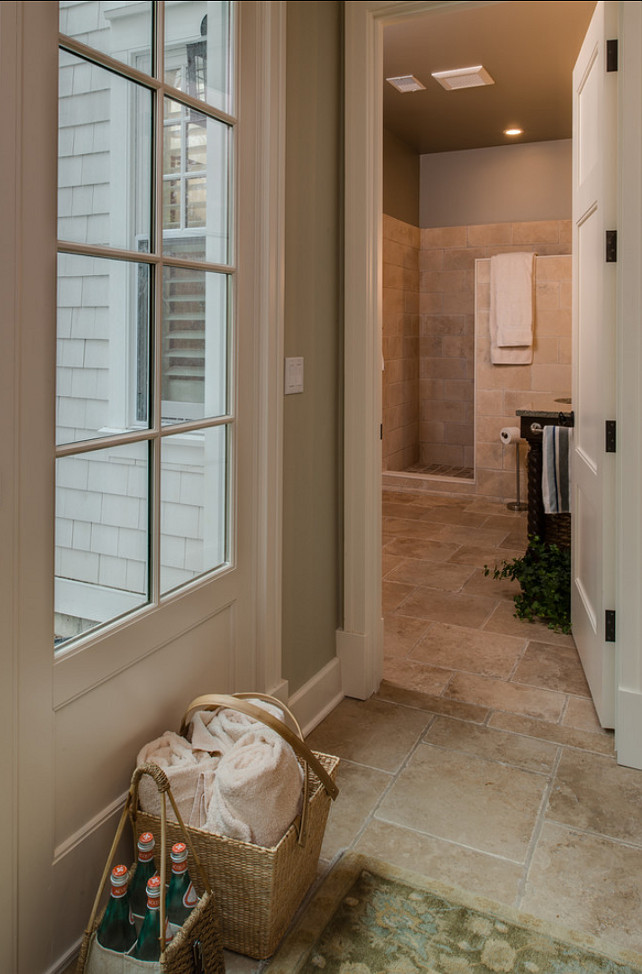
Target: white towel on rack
511,309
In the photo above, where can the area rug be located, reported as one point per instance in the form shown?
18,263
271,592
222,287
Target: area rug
370,918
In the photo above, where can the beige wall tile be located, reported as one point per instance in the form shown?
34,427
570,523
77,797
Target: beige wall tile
554,268
547,294
540,231
565,351
545,350
431,260
490,233
556,378
490,402
432,237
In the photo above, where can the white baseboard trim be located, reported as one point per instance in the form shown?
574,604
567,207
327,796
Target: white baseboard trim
628,734
361,662
318,697
280,691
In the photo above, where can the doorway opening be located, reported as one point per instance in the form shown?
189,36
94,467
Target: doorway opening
457,191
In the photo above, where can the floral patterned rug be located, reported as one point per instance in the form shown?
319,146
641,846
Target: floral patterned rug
369,918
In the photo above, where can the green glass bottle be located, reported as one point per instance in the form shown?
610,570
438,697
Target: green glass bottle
148,943
145,869
117,930
181,895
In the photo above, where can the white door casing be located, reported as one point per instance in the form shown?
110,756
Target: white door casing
365,20
594,311
76,725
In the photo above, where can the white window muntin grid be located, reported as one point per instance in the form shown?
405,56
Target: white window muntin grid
156,431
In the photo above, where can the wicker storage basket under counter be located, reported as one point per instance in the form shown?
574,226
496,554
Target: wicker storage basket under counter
258,890
197,946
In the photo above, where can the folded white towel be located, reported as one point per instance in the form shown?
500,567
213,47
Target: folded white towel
257,789
217,731
190,775
511,308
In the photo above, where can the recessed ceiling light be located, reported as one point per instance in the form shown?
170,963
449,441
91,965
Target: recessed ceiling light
406,82
473,77
513,131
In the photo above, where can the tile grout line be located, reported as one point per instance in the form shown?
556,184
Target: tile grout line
394,778
538,827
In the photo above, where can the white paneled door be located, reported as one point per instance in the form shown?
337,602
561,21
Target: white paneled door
594,315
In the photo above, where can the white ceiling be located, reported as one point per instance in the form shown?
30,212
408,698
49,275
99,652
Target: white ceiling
529,49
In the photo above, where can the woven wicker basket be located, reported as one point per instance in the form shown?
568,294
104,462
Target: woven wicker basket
258,890
197,946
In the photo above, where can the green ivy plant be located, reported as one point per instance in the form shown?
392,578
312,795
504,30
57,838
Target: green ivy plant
544,574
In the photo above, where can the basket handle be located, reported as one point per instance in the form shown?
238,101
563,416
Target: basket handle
212,701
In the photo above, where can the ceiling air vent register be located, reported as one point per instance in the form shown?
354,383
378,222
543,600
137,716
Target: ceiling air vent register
473,77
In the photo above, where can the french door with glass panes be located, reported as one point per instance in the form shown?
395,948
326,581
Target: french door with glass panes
159,498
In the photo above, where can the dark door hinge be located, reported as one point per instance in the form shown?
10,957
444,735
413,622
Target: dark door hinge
611,55
609,625
611,246
610,436
381,431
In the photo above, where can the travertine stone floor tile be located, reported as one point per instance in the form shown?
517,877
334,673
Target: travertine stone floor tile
466,799
403,527
508,523
552,667
370,732
449,515
482,555
428,603
599,743
393,594
493,588
401,633
471,650
399,496
587,882
430,550
409,512
593,793
473,536
360,789
471,870
504,620
441,575
512,697
442,500
490,508
581,713
521,752
434,705
413,675
390,561
516,539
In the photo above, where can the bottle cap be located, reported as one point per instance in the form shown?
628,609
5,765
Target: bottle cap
153,886
119,875
146,841
179,852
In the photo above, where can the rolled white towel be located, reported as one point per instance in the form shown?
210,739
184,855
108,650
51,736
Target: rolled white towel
190,775
257,789
217,731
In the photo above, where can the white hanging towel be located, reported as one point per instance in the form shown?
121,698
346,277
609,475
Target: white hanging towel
511,309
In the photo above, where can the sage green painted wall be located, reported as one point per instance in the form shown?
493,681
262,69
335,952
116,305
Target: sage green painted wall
400,180
313,420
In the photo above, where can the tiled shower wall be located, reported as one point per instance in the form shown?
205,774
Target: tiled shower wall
443,377
447,343
400,324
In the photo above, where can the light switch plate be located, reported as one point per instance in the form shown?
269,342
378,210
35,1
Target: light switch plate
293,375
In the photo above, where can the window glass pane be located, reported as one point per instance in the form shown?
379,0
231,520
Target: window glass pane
116,29
104,151
198,51
102,347
101,537
194,340
196,176
194,505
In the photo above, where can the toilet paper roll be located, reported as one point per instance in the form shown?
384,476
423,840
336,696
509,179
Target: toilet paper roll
510,434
